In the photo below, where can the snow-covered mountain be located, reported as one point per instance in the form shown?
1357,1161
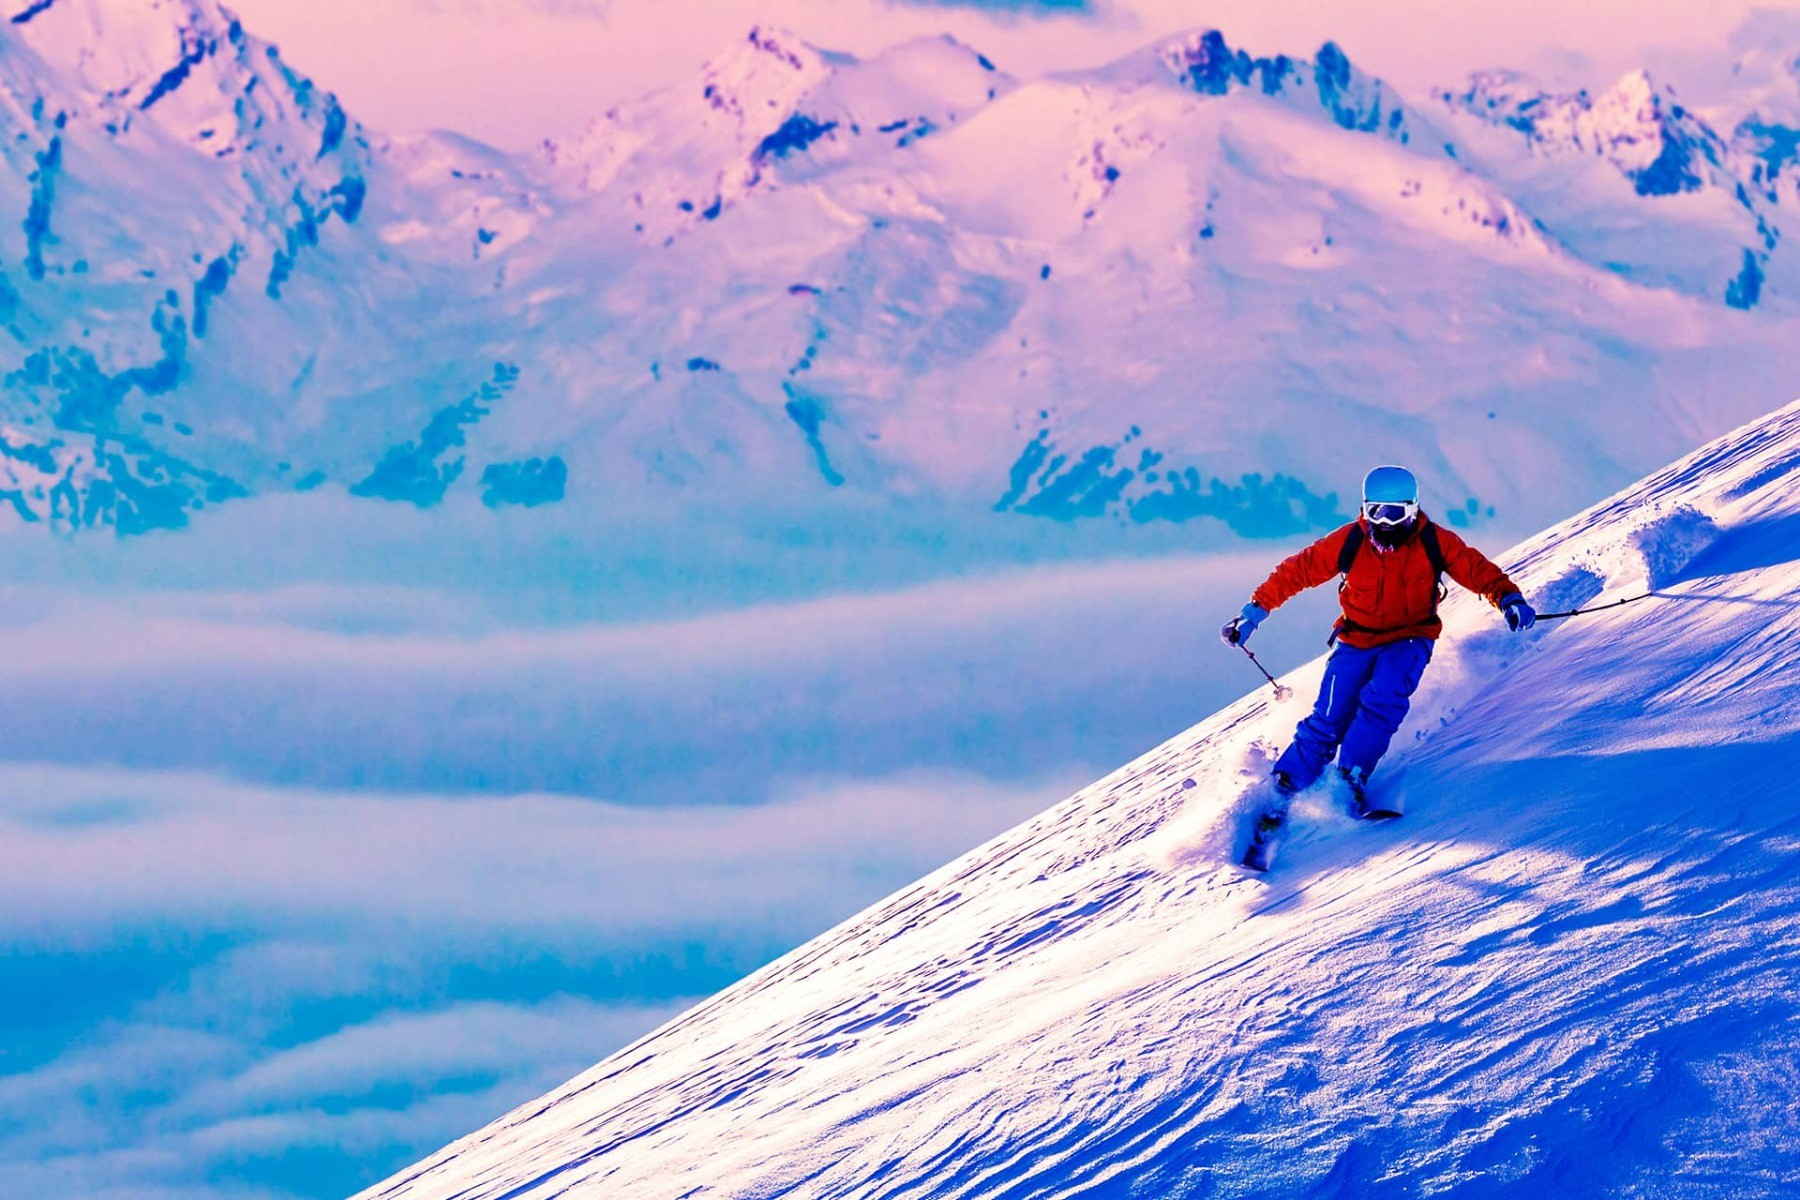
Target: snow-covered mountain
1569,970
1182,287
1727,225
156,152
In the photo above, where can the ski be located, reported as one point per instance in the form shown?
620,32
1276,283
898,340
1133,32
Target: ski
1376,810
1362,806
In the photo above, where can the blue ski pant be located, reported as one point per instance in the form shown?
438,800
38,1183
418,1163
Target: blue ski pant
1362,700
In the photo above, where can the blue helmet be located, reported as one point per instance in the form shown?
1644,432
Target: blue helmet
1390,502
1390,485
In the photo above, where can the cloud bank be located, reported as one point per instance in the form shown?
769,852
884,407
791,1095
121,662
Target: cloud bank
226,987
299,882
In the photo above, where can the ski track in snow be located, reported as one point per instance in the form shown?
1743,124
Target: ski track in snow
1570,969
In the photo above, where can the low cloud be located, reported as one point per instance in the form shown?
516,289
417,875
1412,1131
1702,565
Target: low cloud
1000,676
95,848
367,867
368,975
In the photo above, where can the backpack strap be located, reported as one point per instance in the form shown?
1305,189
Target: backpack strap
1352,543
1428,537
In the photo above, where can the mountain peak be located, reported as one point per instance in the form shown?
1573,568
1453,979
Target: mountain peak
1203,61
765,73
185,66
131,53
770,106
1637,124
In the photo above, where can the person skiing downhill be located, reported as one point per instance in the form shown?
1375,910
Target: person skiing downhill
1391,559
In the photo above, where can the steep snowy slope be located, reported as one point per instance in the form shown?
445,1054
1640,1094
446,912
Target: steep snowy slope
1572,969
1177,288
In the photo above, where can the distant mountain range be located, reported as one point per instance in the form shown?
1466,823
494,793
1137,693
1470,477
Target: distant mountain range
1193,285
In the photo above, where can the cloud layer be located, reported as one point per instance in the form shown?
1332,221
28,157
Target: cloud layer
1002,676
228,985
298,883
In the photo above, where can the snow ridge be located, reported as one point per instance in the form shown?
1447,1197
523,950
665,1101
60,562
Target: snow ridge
1636,125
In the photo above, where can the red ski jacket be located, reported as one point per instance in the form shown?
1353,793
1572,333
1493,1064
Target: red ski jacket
1388,594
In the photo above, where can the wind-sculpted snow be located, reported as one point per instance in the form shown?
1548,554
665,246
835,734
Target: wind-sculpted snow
1570,969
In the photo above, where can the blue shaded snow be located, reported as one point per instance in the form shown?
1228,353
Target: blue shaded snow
336,123
410,472
194,51
1777,147
1334,77
1211,67
210,286
1100,482
1673,171
1045,484
345,198
796,133
528,484
1745,290
132,487
350,193
36,9
806,412
85,397
43,199
140,491
923,129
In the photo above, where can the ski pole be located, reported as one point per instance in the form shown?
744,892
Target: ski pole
1281,693
1576,612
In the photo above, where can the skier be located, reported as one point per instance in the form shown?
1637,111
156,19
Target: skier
1392,560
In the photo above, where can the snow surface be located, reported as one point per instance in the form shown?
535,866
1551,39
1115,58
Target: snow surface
1573,968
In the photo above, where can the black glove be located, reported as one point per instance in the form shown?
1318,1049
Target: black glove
1519,615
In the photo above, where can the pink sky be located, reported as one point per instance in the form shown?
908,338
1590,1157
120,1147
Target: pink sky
514,71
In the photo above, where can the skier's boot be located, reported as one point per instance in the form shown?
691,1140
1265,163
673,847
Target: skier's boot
1265,835
1360,804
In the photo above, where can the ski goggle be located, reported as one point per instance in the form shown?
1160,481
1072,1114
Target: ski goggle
1390,513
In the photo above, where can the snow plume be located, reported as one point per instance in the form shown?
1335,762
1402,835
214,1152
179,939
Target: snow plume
1584,932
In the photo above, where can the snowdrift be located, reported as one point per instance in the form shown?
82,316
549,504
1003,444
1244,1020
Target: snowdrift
1572,969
